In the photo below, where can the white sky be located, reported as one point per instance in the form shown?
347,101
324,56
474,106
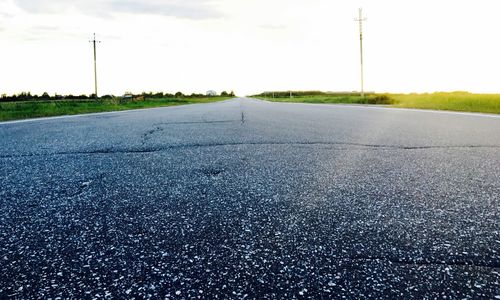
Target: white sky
248,46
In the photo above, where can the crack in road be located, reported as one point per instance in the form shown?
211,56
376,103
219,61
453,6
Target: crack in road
196,122
147,136
210,145
158,127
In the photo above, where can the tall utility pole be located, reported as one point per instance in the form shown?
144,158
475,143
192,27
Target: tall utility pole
94,41
360,19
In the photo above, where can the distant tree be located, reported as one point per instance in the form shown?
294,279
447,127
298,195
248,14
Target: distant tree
6,98
23,96
179,95
45,96
158,95
224,94
232,94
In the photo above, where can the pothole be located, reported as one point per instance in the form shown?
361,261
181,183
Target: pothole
212,172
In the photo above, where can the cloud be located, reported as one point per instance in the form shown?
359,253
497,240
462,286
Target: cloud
272,27
188,9
41,32
5,15
45,28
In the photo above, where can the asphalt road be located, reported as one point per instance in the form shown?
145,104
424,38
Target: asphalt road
250,199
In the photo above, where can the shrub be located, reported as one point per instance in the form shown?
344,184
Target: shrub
379,99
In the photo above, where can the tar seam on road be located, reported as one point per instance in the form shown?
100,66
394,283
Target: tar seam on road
147,135
196,122
172,147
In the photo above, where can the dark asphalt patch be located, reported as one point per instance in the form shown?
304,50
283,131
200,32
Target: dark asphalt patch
270,229
296,202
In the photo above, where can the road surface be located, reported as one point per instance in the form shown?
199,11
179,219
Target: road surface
250,199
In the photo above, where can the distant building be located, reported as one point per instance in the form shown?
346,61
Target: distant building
211,93
132,97
128,96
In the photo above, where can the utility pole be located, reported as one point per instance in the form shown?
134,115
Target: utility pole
360,19
94,41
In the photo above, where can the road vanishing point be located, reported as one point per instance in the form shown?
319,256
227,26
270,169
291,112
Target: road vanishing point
247,199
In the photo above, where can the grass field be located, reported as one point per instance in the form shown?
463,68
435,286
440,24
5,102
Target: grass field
332,99
36,109
458,101
455,101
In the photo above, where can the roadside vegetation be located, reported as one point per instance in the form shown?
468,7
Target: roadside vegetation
455,101
326,98
25,106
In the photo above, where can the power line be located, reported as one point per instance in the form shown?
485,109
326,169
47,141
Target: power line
94,42
360,19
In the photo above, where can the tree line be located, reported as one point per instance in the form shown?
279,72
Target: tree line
27,96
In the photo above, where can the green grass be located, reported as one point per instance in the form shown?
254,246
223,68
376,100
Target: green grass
332,99
36,109
456,101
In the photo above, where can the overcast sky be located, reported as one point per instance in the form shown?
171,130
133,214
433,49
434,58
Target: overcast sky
248,46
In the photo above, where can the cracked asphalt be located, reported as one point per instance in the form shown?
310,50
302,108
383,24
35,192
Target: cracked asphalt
246,199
